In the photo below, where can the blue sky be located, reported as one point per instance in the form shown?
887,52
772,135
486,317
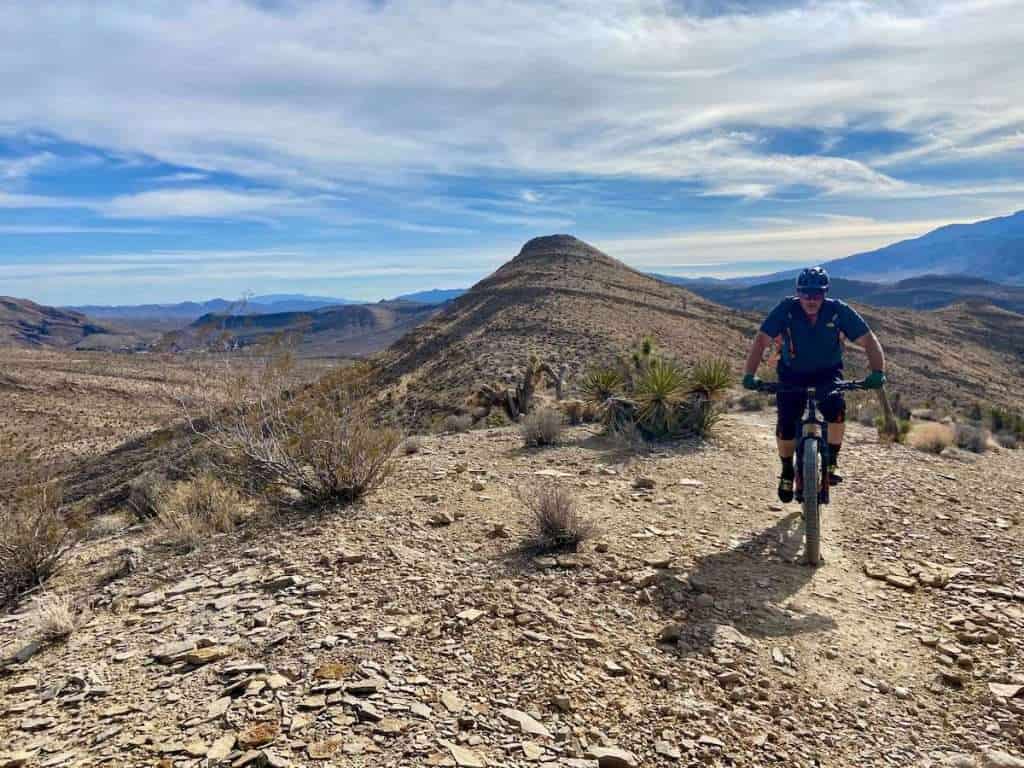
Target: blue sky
162,151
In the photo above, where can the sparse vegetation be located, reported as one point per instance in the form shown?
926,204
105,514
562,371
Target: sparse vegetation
54,619
574,410
36,539
192,510
556,521
458,422
658,395
971,438
930,437
144,494
541,427
750,401
412,444
321,440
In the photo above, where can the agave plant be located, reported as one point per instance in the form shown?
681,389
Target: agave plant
710,378
600,384
659,393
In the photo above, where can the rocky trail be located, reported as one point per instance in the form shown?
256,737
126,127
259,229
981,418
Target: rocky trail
412,631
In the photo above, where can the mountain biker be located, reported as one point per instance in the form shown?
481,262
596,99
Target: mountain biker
811,328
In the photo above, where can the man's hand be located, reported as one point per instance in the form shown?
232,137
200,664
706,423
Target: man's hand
750,381
875,380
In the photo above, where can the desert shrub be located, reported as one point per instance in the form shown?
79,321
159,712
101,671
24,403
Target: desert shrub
54,619
103,526
700,415
902,429
412,444
930,437
497,418
36,539
711,377
541,427
660,391
971,438
458,422
1008,440
194,509
750,401
600,384
624,436
556,521
322,441
868,415
144,494
574,410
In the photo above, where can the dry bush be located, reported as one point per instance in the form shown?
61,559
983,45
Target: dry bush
750,402
321,440
54,619
104,526
412,444
625,437
930,437
192,510
574,410
36,538
458,422
144,494
541,427
557,523
1008,440
971,438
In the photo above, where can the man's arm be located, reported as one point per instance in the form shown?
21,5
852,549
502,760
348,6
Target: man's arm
761,342
870,344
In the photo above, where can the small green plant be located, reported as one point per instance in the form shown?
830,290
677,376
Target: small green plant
601,384
711,377
660,391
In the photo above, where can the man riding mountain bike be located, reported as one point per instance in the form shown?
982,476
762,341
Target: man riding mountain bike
811,328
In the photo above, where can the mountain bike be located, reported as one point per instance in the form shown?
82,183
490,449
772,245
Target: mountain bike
812,460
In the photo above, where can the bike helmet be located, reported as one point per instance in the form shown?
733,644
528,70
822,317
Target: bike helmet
811,280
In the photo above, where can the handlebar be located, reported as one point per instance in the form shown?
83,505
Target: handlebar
773,387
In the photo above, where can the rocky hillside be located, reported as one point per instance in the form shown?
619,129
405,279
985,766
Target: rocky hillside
565,301
413,631
572,304
27,324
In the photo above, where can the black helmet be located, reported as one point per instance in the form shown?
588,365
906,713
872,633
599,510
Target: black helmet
811,280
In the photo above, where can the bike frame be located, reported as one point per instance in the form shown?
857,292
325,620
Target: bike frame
813,427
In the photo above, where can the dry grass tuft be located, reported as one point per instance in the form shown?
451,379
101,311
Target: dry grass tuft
412,444
541,427
55,618
144,494
557,523
194,509
458,423
930,437
36,538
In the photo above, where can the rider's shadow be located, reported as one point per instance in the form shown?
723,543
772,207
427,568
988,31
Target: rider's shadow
752,586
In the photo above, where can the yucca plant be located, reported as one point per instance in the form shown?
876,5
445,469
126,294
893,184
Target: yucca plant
599,384
660,391
711,378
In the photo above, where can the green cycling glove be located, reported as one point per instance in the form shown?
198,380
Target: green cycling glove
875,380
750,381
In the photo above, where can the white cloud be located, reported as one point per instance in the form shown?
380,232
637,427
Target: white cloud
327,91
198,202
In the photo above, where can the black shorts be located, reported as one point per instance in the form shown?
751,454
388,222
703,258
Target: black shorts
792,405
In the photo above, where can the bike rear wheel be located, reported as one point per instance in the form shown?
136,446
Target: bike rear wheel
811,467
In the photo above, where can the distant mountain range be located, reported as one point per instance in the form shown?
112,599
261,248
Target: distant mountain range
925,292
992,249
350,330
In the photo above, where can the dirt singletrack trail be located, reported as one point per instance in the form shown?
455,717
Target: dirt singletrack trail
413,630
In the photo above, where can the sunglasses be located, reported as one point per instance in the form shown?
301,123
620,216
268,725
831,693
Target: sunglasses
815,295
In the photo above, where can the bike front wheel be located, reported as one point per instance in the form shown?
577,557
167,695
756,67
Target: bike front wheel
811,467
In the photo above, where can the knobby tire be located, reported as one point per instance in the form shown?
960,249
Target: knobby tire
812,510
